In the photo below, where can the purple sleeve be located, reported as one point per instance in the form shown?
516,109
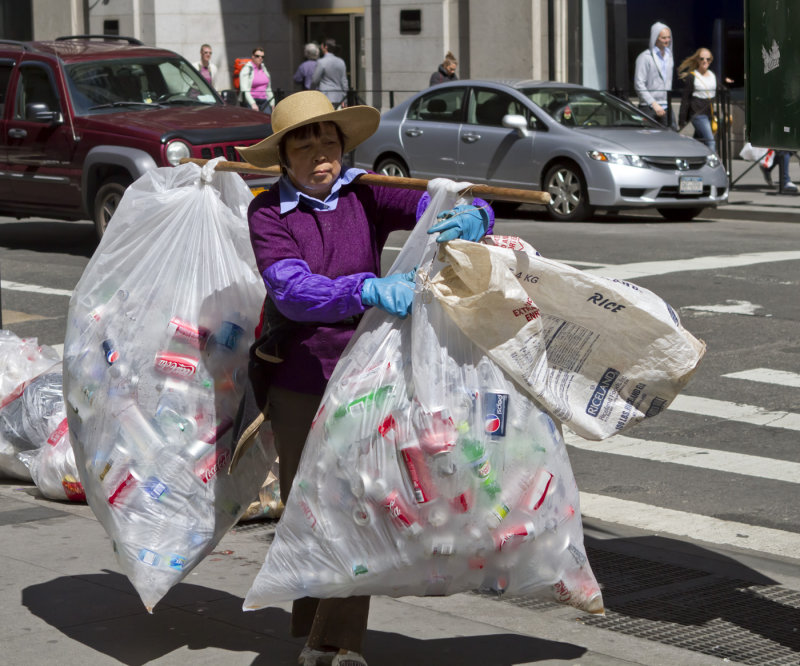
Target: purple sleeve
302,295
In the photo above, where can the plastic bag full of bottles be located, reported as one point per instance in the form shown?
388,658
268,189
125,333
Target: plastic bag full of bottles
427,471
154,364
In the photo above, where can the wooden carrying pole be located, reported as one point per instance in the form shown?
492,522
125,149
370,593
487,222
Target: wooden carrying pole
484,191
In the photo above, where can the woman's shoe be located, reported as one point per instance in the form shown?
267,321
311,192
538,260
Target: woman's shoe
311,657
348,658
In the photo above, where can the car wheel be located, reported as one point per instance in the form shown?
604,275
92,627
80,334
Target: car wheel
106,201
392,166
680,214
569,199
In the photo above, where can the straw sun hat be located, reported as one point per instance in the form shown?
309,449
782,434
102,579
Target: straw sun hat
357,124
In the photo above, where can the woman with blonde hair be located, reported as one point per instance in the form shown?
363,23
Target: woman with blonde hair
446,71
697,100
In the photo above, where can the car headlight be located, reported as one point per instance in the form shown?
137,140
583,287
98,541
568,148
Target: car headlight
618,158
176,151
712,161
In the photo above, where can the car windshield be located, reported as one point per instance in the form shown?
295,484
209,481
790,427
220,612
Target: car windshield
587,108
107,86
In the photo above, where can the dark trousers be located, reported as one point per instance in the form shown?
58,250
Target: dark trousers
339,623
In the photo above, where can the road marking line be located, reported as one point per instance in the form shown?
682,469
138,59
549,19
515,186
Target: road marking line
33,288
768,376
691,525
678,454
649,268
734,411
730,307
16,317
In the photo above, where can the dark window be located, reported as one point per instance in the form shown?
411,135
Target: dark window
442,105
111,27
487,107
34,88
410,21
5,76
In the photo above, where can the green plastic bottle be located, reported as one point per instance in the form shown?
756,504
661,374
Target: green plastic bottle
478,459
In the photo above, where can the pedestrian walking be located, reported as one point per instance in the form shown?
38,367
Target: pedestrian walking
652,77
207,69
255,90
446,71
699,91
305,72
330,74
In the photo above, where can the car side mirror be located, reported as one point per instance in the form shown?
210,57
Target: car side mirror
39,112
516,122
229,97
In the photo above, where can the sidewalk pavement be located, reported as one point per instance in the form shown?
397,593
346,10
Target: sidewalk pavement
63,600
750,197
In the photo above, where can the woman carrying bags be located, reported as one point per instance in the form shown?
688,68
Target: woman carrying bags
318,235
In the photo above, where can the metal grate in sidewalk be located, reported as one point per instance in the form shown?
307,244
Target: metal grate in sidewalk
732,619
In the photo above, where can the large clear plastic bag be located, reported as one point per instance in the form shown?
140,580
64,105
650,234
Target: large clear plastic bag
45,449
427,471
154,363
23,416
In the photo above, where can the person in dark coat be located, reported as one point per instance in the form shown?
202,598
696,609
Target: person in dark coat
446,71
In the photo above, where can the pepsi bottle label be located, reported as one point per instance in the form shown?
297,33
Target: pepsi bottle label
495,411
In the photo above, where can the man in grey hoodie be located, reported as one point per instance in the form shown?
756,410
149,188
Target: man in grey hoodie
652,77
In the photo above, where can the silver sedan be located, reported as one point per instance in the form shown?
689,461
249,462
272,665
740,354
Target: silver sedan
588,149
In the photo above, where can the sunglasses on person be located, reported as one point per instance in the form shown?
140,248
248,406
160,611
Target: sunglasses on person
258,55
709,59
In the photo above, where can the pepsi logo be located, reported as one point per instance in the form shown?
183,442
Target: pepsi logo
492,423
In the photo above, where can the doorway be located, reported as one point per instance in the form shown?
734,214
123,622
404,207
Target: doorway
348,31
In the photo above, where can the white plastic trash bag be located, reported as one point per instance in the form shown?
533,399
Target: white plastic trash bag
427,471
754,153
21,359
600,354
154,363
48,456
25,410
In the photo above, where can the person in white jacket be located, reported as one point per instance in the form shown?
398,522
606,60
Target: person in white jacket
652,76
255,90
207,69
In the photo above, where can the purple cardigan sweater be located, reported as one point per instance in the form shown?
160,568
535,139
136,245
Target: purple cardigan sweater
314,262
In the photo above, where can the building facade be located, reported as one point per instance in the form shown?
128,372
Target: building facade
391,47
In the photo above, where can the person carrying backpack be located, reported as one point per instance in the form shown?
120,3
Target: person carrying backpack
254,84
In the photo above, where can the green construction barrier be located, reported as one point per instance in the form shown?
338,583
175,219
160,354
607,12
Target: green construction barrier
772,73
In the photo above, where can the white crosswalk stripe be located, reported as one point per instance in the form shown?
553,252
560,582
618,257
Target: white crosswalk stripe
735,411
700,527
711,459
768,376
691,525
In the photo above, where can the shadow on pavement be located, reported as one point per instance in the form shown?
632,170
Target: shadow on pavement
656,582
76,238
103,612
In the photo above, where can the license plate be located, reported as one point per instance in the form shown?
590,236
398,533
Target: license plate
690,185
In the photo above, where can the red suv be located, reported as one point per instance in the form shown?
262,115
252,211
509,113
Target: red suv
83,117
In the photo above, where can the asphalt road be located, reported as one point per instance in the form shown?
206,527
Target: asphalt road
734,284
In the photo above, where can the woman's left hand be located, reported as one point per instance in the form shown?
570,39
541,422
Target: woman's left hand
466,221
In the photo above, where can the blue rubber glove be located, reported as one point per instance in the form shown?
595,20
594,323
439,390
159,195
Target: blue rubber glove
467,222
394,293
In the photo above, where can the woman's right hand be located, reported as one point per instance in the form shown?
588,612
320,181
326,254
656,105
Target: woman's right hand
393,294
